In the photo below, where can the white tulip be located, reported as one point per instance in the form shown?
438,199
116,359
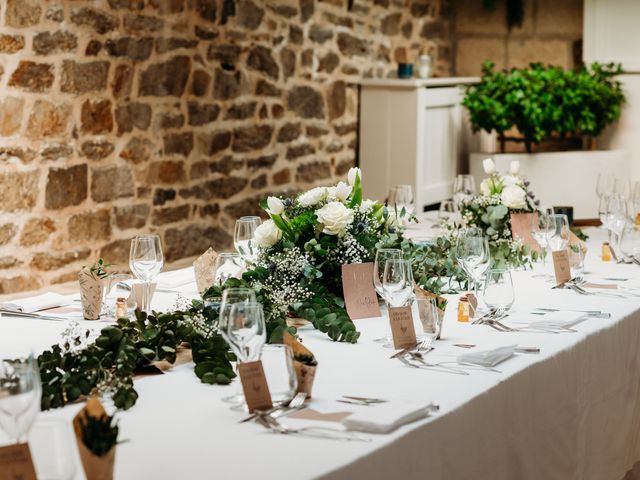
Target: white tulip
276,207
485,187
267,234
367,205
514,197
509,180
341,191
488,166
514,167
312,197
351,176
335,217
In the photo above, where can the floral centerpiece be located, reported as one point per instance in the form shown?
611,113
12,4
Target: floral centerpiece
302,247
500,196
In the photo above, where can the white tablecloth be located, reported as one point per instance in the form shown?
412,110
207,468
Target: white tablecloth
570,412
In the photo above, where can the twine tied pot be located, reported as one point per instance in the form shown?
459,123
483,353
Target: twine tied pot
306,374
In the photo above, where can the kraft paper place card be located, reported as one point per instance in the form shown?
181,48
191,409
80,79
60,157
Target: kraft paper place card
402,330
137,292
16,463
561,266
254,386
521,228
360,296
204,269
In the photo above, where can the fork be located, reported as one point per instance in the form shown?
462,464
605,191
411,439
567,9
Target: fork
436,367
273,425
280,410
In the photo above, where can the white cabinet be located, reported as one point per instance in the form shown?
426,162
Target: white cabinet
411,132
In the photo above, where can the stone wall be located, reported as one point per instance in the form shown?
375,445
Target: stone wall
551,33
176,116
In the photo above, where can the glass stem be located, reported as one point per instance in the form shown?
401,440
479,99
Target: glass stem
146,301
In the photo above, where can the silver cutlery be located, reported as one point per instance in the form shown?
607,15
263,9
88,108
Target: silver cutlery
435,367
589,313
365,399
517,349
15,313
273,425
276,412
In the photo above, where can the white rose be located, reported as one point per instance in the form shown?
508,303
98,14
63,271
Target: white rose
267,234
276,207
514,197
514,167
485,187
335,217
312,197
488,166
351,176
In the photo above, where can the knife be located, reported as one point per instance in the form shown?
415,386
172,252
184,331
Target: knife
12,313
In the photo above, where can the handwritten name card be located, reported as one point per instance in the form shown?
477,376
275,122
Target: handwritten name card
16,463
254,386
402,330
360,296
561,266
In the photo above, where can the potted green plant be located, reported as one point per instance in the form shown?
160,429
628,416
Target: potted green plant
92,285
547,119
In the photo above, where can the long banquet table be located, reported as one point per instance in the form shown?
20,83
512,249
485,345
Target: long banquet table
570,412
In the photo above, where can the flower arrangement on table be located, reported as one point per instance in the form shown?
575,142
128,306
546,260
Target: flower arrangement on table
302,247
500,196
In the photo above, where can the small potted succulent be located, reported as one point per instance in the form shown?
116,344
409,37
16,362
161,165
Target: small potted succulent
92,286
97,437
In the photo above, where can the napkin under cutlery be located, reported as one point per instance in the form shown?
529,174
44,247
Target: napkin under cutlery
35,304
555,320
175,278
386,417
488,357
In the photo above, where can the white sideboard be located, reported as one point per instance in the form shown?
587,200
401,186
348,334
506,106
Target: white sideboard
411,132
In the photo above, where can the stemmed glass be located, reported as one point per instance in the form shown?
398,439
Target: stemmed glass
540,230
635,200
243,237
463,187
227,266
379,264
605,185
231,297
472,252
401,196
558,237
145,261
498,291
20,396
397,282
447,211
617,217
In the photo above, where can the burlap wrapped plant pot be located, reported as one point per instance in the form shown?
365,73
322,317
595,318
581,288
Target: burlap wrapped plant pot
304,362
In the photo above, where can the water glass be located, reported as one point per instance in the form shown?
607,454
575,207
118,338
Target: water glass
429,321
605,184
464,187
20,395
576,261
53,449
277,361
498,292
447,211
119,286
231,296
630,242
146,261
397,282
243,238
227,266
401,197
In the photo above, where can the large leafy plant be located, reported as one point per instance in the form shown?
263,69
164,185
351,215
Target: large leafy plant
543,101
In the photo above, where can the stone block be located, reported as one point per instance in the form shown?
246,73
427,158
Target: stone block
48,120
96,117
36,231
91,225
18,190
66,186
11,113
85,77
111,182
32,76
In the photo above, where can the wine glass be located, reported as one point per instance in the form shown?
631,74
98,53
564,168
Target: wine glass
635,200
630,242
379,263
227,266
622,188
498,292
279,370
397,282
558,237
145,261
605,184
244,330
603,209
447,211
401,197
540,230
617,217
243,238
472,252
464,187
20,396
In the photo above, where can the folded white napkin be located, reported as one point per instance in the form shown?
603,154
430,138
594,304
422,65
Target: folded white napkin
488,357
559,320
176,278
37,303
386,417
